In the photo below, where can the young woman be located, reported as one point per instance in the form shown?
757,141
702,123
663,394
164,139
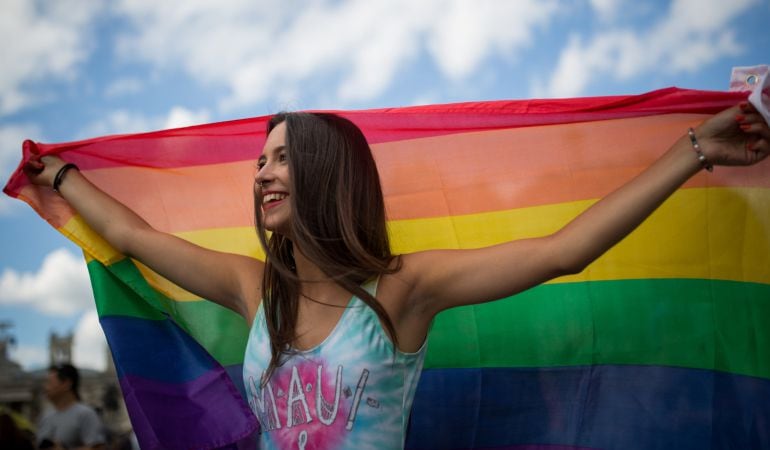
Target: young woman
338,323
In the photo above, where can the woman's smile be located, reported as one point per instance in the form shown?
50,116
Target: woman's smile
273,199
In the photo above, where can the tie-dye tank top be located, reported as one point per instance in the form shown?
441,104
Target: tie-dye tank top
352,391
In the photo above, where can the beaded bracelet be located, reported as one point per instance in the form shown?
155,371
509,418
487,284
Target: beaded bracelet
60,175
695,146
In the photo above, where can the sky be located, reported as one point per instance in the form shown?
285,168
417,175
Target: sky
74,69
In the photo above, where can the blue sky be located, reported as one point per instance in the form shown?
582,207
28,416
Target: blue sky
74,69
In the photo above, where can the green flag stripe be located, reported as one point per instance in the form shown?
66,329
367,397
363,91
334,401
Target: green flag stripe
706,324
220,331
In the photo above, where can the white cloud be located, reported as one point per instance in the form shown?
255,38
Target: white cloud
372,60
127,122
59,288
682,41
89,347
262,52
606,9
425,98
463,33
30,357
41,41
180,117
119,122
122,87
11,138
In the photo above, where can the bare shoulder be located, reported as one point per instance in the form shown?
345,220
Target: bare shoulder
396,293
396,290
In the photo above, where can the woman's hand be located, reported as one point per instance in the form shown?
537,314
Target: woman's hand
42,170
735,137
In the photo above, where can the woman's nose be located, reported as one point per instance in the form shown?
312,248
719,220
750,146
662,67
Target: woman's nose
264,176
260,182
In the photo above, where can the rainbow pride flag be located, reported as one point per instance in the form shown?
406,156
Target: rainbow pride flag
662,343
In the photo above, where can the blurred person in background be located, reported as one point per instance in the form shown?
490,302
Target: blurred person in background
71,424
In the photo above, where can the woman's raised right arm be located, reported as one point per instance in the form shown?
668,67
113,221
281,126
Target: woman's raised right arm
233,281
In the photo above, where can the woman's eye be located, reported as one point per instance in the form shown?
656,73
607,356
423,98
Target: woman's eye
282,157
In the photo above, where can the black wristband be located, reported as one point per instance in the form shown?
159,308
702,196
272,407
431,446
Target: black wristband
60,175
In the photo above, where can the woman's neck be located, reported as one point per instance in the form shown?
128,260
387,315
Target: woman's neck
316,286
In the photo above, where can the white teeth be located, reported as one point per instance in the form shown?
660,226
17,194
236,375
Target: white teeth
273,197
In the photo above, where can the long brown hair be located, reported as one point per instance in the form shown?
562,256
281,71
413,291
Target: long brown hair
338,220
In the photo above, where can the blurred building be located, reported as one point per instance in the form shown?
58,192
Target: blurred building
22,391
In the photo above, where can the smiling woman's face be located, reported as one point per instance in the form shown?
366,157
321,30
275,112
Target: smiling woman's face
272,183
